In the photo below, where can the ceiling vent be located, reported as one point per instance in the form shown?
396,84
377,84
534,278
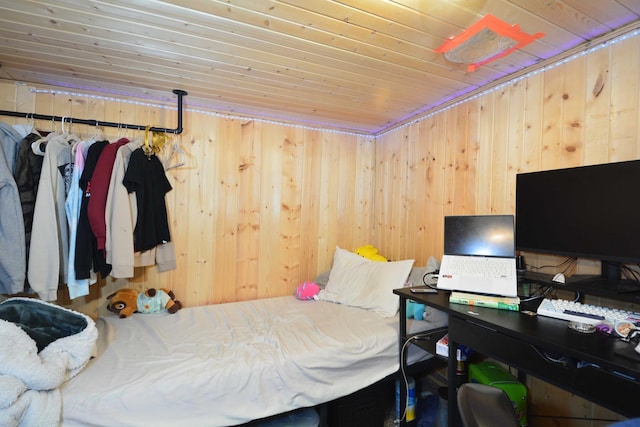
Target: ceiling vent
485,41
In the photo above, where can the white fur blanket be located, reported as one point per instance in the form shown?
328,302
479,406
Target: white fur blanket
43,345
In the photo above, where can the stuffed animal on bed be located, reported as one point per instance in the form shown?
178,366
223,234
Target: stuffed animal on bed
307,290
125,302
370,252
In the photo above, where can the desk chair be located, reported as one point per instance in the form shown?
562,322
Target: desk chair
482,405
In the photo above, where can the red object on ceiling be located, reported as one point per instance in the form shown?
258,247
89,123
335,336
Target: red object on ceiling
497,26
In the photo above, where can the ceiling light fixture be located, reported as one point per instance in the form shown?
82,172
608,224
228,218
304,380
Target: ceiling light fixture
485,41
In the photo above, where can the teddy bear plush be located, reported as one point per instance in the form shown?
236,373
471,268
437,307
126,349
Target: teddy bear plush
125,302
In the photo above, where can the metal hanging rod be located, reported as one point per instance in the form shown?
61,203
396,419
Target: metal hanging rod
66,119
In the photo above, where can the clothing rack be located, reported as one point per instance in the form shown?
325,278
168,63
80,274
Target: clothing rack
66,119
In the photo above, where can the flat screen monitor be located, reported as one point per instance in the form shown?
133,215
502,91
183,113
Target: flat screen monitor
588,212
480,235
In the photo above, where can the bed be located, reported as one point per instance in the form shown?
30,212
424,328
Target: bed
228,364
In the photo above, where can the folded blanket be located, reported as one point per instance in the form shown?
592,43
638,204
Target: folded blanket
43,345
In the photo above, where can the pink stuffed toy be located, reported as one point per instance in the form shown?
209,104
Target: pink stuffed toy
307,290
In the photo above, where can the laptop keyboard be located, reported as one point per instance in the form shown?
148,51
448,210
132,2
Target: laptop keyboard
481,267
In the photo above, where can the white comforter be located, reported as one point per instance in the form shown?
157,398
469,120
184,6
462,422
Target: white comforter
227,364
41,346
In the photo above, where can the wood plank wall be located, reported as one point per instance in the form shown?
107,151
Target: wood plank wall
464,160
259,207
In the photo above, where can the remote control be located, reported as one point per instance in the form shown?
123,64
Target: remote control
424,291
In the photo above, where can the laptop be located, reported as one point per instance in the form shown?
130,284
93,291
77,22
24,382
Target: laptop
479,255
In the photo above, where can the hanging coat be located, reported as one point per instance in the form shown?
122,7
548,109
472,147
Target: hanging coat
49,251
12,240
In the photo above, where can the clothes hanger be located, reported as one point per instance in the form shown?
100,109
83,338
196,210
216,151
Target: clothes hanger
26,128
158,140
146,148
96,134
67,134
39,146
153,142
65,131
32,124
176,150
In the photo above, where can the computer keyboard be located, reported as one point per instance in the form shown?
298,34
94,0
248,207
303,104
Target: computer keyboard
481,266
583,313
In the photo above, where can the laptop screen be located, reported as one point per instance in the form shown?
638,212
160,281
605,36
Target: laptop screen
480,235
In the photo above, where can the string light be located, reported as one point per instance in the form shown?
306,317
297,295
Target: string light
101,97
206,112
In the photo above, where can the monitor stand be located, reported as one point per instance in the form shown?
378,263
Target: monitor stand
616,286
620,289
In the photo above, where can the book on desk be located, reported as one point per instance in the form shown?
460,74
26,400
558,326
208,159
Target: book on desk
490,301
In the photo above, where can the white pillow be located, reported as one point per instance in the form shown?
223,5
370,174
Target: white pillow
363,283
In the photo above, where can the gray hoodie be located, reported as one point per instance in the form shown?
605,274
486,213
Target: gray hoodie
12,243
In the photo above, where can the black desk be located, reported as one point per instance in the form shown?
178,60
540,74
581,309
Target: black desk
597,367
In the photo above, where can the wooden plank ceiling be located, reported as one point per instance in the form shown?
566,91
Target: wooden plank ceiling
356,65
